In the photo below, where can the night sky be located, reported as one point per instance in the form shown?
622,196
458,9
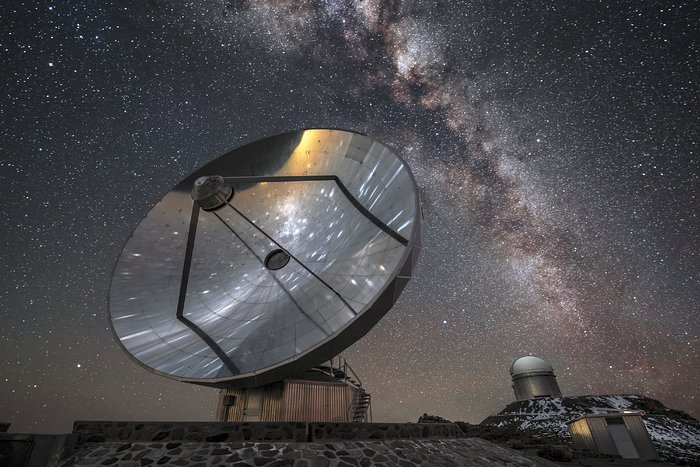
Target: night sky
554,144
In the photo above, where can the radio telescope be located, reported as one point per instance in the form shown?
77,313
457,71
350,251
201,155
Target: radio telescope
268,261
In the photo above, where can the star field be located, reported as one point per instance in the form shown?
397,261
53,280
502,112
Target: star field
554,144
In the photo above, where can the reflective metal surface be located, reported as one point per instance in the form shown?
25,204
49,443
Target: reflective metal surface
533,377
193,295
530,364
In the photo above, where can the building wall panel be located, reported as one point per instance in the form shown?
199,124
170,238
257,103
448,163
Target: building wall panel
531,387
640,437
232,413
272,403
599,430
293,400
582,436
316,401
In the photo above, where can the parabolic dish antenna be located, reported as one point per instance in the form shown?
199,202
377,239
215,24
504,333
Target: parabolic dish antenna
269,260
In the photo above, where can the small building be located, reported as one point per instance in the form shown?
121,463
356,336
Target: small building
533,378
620,433
323,394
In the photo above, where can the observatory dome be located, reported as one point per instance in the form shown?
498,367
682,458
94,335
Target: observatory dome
530,365
532,378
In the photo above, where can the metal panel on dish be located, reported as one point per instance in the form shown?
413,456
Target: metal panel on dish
295,262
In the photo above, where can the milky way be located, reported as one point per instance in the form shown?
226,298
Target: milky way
555,147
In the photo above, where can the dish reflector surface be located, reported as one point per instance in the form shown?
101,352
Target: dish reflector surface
319,237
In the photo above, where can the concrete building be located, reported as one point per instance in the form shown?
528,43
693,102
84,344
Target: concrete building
532,378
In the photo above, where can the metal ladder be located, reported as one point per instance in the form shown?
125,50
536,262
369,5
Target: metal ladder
361,408
364,405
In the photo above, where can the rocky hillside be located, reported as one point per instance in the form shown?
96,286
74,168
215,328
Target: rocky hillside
675,434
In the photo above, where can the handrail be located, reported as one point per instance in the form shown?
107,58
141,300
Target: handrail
342,365
347,366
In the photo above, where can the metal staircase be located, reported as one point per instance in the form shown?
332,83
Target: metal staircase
361,408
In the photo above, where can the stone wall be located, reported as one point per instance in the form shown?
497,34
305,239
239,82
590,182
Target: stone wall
135,444
34,450
104,431
405,453
352,431
107,431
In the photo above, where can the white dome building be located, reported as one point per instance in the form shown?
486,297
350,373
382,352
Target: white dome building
533,378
